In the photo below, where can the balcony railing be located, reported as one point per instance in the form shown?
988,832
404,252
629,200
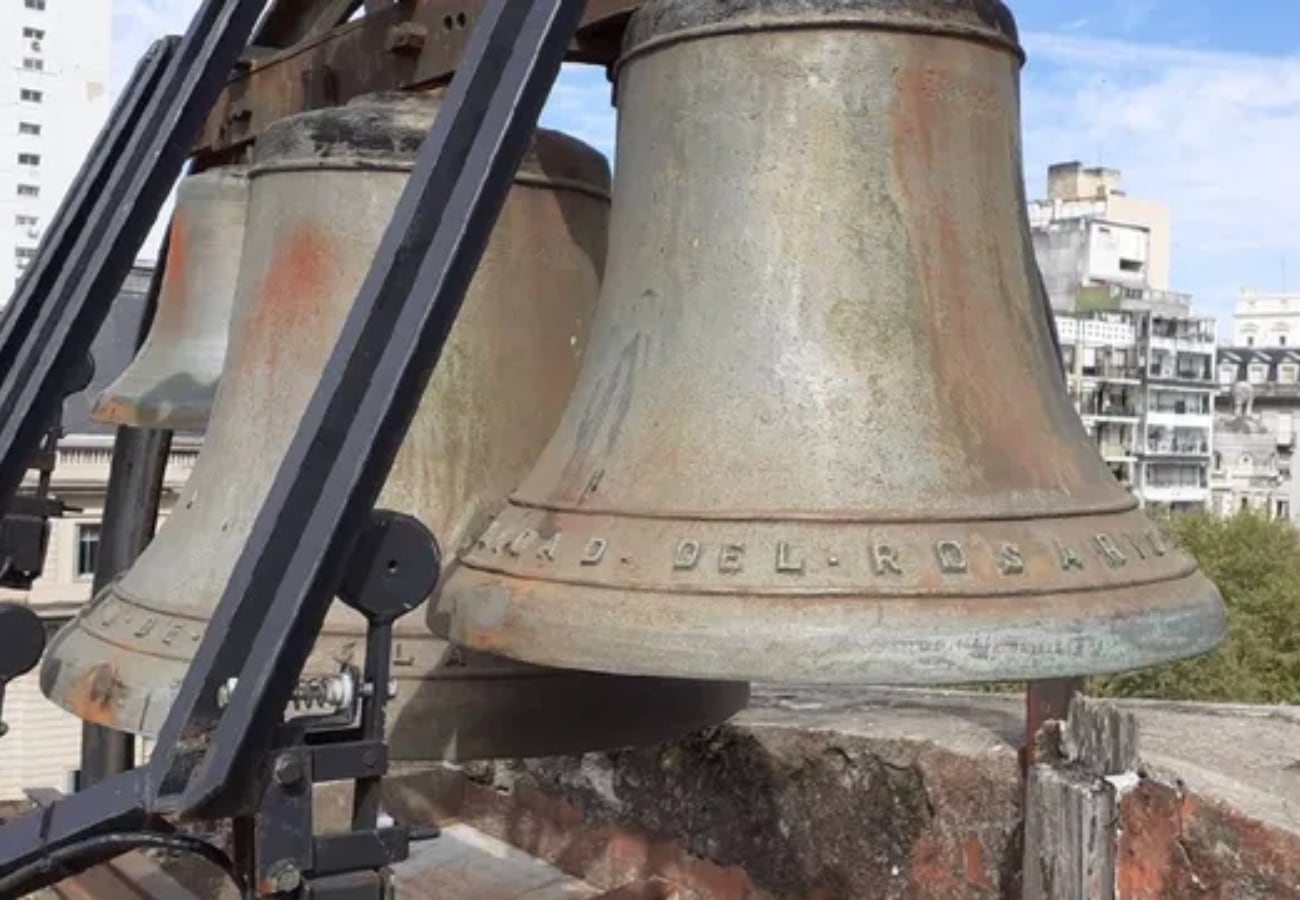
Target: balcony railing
1183,448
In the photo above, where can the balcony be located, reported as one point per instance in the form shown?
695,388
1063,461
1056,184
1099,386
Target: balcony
1116,452
1155,493
1123,374
1170,419
1178,448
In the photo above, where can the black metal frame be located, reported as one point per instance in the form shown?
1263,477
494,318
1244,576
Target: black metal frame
212,761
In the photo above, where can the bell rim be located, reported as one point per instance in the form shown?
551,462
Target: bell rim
947,640
485,714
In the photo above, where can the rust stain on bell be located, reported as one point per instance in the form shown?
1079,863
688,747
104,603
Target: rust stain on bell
94,697
820,434
172,380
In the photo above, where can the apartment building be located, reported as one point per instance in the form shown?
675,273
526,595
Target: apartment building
1144,385
1093,242
54,83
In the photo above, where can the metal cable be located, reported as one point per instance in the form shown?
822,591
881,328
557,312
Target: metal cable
106,846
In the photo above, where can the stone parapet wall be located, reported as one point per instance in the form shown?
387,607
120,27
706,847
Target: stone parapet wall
830,794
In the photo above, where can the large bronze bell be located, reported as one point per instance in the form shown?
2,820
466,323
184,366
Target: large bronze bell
323,187
821,432
172,380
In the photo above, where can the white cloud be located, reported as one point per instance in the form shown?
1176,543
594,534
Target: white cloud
1214,135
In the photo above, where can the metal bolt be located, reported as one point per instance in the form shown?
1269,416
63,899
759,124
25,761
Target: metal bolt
288,770
285,877
370,759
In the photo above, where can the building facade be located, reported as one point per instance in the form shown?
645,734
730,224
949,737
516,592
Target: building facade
1144,385
1258,413
54,83
1266,320
1095,244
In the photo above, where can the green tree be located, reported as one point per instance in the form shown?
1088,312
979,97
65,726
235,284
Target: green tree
1256,564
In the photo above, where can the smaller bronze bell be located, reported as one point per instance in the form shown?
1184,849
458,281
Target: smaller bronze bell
173,379
323,186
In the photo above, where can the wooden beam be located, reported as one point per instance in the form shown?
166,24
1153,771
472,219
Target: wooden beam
1072,802
397,47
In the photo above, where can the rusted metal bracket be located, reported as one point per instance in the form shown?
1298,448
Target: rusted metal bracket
399,47
1045,701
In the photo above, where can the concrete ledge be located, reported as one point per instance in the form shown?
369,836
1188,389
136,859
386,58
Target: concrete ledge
819,794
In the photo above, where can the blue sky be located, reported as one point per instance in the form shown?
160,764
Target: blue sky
1197,101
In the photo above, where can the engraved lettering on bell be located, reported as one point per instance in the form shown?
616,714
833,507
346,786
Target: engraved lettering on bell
952,557
488,540
109,612
594,552
884,560
789,561
731,558
521,542
1135,542
1011,561
1067,557
549,548
1110,551
686,556
1158,544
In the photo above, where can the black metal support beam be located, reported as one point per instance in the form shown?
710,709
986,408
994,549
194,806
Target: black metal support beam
135,481
99,231
327,484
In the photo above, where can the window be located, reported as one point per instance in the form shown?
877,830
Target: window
29,159
1257,373
24,254
33,34
32,64
1287,373
28,190
1130,265
1227,373
1281,340
29,128
1250,341
87,549
23,221
35,4
27,95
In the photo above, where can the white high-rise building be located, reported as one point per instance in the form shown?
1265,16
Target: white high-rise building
54,98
